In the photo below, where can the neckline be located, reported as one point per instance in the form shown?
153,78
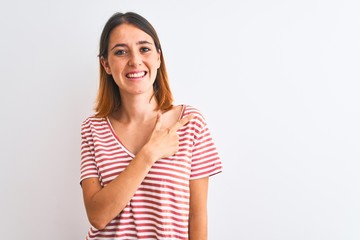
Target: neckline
181,115
117,138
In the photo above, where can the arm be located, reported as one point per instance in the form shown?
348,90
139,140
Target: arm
104,203
198,209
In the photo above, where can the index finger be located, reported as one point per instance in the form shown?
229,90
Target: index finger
181,123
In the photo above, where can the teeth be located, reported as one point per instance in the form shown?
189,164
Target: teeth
136,75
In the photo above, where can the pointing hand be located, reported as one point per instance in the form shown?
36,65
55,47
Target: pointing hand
164,142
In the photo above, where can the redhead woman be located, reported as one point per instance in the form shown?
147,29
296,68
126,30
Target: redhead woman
145,163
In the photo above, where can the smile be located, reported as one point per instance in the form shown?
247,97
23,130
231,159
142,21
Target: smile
136,74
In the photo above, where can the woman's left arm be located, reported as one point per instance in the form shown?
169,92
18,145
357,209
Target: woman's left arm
198,209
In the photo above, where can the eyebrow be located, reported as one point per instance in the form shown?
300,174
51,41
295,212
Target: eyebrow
124,45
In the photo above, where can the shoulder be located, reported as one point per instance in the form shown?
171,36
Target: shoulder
198,116
92,122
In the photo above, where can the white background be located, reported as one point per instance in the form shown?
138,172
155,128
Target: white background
278,82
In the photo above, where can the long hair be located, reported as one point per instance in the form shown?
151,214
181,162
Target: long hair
108,98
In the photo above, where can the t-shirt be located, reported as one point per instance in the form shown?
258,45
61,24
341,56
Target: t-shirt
159,208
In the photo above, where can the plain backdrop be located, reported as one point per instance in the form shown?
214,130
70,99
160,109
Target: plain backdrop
278,82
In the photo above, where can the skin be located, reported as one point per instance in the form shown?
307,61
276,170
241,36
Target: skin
151,135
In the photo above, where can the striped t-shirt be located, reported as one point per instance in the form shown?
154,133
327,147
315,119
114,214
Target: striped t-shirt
159,208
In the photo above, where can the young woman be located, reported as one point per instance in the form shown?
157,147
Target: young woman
145,163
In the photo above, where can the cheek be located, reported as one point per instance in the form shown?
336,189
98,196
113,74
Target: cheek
117,67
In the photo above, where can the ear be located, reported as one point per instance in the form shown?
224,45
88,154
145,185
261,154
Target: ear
106,65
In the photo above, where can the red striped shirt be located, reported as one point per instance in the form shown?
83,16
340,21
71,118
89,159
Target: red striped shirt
159,208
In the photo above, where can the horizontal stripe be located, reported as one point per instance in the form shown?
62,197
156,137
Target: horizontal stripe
159,208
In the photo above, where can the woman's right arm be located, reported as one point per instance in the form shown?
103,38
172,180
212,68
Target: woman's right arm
104,203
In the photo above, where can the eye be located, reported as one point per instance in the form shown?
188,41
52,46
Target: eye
144,49
120,52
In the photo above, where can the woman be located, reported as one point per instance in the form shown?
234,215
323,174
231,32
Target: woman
145,163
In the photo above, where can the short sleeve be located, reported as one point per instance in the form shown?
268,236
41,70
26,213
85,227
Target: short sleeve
88,168
205,158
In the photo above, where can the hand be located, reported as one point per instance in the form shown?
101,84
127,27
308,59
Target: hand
164,142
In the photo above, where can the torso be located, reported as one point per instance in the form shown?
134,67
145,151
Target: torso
163,198
134,136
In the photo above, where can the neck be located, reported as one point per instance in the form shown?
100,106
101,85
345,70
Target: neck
137,108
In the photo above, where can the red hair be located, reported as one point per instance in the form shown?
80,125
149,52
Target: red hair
108,98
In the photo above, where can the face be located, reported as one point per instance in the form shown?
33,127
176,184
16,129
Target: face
132,60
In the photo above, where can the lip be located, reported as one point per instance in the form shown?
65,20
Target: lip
141,75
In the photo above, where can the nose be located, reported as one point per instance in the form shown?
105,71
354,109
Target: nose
134,60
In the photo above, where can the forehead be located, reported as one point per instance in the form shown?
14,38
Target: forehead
128,33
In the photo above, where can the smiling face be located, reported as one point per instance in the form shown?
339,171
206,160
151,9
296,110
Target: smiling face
132,60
